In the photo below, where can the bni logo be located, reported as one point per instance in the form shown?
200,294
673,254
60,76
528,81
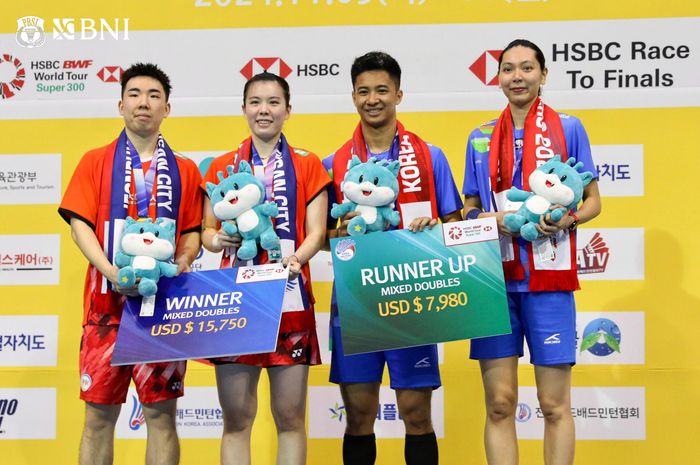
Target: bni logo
8,407
593,257
486,67
87,29
601,337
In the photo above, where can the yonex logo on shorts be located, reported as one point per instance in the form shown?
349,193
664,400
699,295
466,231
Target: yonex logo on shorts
297,353
85,382
422,363
553,339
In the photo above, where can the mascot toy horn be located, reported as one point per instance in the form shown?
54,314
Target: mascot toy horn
239,203
146,248
371,189
553,183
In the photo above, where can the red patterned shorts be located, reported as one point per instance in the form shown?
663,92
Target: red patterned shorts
294,348
102,383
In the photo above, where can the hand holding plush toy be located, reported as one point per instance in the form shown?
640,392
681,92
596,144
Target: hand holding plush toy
146,248
371,189
239,203
553,183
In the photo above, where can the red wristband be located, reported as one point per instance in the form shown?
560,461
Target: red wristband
573,225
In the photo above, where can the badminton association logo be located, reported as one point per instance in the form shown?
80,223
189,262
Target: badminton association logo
594,256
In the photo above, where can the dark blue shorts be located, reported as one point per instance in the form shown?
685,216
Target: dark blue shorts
415,367
547,320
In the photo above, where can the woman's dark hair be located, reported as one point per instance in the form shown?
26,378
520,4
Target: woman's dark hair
265,76
523,43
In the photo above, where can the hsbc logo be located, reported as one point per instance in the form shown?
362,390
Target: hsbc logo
110,73
274,65
486,67
278,66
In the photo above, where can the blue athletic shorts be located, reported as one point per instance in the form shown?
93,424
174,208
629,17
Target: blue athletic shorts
547,320
415,367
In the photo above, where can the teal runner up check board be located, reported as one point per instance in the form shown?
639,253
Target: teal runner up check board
400,289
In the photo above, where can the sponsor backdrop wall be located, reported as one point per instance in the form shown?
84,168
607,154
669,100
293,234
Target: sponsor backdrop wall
628,69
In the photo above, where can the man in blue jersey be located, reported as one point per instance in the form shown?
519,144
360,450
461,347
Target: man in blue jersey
428,192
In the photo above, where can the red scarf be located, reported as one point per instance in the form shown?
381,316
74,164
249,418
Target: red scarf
416,180
543,138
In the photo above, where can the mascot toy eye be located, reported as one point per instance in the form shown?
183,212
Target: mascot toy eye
238,201
553,183
146,249
371,189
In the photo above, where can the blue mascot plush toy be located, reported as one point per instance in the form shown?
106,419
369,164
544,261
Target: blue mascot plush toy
553,183
370,188
146,249
239,203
